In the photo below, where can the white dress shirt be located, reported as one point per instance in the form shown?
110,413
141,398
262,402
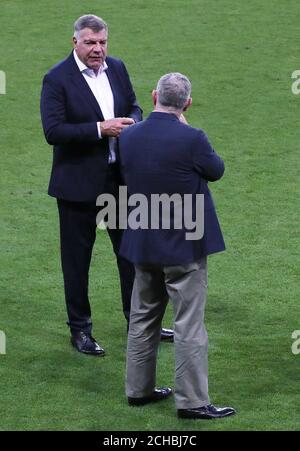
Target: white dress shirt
100,87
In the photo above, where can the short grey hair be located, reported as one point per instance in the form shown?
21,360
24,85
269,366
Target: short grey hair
95,23
173,90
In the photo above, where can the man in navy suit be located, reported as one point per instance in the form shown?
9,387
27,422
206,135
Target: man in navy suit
86,101
164,156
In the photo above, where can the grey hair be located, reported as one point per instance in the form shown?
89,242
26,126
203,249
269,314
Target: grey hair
173,90
95,23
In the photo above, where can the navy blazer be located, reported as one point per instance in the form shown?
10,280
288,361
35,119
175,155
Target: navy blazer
163,155
70,113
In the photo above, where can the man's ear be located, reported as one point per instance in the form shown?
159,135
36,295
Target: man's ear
74,42
188,104
154,96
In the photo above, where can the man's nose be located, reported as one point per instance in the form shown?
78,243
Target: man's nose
98,47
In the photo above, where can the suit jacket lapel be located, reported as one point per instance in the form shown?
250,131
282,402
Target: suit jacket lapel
83,88
111,75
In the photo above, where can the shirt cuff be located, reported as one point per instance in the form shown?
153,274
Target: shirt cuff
99,130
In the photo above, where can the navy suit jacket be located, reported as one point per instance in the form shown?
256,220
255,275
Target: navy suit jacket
163,155
70,114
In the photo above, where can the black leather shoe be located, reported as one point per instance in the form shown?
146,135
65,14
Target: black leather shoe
206,413
158,394
85,343
167,335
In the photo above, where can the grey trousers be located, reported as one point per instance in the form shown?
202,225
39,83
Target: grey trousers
186,286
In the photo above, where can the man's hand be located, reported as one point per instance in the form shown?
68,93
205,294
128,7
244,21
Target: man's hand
113,127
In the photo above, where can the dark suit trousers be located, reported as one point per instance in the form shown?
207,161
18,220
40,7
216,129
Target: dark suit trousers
77,237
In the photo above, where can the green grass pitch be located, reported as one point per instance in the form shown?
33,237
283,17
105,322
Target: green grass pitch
239,57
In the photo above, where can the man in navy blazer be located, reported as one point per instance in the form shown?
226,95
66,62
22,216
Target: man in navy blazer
86,101
164,156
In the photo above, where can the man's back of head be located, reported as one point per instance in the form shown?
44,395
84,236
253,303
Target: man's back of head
173,92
